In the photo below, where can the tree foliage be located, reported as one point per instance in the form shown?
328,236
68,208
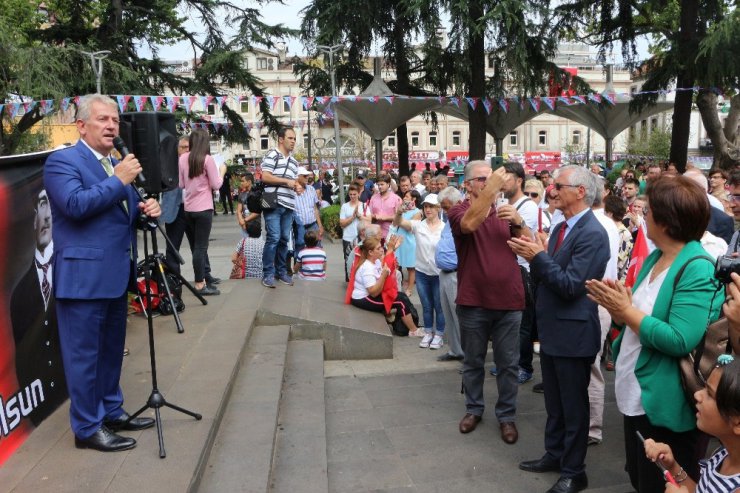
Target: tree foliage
694,42
656,144
53,32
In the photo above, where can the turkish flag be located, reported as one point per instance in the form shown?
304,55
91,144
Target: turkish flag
640,251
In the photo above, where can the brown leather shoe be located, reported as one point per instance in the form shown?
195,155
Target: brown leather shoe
469,422
508,432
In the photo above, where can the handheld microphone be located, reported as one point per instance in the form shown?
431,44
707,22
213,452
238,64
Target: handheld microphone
120,146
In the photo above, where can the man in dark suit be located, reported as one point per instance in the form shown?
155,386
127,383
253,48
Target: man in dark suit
33,314
94,211
568,324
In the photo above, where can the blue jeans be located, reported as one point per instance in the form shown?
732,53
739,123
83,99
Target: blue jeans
278,222
299,231
431,305
477,327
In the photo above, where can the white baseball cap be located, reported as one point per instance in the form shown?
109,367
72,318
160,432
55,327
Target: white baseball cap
303,171
431,199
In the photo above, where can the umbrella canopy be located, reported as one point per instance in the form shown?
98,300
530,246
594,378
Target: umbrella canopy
498,123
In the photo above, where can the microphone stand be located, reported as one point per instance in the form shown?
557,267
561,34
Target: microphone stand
156,400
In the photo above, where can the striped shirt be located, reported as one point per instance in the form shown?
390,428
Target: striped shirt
711,481
305,204
281,167
312,264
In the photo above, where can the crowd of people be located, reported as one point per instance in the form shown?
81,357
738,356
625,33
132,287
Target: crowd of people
585,270
503,259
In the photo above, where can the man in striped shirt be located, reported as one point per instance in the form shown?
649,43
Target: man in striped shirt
279,171
306,210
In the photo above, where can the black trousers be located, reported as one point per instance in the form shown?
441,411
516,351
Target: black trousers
375,304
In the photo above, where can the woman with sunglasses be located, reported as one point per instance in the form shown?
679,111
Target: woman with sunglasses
534,190
662,322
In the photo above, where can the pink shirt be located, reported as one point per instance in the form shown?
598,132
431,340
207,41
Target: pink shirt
198,195
386,207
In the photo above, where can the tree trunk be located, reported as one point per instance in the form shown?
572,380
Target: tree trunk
725,152
686,77
477,58
401,62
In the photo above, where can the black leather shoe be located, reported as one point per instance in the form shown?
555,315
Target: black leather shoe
538,388
105,440
570,485
135,424
213,280
539,465
449,357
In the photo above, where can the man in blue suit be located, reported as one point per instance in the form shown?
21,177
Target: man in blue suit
94,213
568,323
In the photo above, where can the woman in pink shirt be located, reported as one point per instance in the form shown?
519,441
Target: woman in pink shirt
200,177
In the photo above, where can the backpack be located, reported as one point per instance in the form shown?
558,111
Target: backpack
399,328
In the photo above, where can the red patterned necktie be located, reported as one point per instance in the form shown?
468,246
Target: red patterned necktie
561,235
45,284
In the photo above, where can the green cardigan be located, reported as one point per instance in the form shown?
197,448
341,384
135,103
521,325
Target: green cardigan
672,330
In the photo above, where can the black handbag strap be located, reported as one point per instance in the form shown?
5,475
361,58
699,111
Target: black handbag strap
700,346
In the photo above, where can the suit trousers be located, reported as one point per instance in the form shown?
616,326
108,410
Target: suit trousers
566,401
447,295
92,334
477,327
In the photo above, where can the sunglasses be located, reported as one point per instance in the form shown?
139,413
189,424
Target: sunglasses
560,186
479,179
534,195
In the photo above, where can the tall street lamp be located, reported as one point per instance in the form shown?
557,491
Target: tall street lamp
97,56
330,50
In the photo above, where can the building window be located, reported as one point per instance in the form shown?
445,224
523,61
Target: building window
542,137
576,137
392,139
305,141
490,60
414,139
286,107
514,139
264,142
244,106
456,138
262,63
432,139
653,124
211,109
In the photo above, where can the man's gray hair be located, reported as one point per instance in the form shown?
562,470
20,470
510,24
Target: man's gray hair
598,199
372,231
473,165
582,177
698,177
84,108
450,193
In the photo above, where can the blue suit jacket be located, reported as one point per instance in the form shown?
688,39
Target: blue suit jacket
567,321
94,237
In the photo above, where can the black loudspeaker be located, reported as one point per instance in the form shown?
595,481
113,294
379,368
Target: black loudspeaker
152,138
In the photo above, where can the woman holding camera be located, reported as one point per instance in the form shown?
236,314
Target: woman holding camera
662,321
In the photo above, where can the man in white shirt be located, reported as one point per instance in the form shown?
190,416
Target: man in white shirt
596,386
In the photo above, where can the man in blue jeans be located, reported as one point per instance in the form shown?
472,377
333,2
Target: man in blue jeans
279,171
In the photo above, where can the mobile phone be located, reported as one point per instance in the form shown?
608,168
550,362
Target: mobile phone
496,162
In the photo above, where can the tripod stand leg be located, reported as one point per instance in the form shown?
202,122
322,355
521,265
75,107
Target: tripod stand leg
163,278
160,435
184,411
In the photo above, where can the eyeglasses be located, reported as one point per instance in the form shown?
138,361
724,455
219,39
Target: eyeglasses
479,179
559,186
534,195
735,197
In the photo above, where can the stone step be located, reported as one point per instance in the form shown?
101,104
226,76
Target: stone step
243,449
300,462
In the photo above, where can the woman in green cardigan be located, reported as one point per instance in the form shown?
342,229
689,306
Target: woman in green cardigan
663,322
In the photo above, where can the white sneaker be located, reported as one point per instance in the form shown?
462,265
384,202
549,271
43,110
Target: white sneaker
425,341
436,343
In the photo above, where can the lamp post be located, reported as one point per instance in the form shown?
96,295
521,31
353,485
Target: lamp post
330,50
319,142
97,56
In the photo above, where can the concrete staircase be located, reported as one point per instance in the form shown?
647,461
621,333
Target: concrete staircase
273,433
